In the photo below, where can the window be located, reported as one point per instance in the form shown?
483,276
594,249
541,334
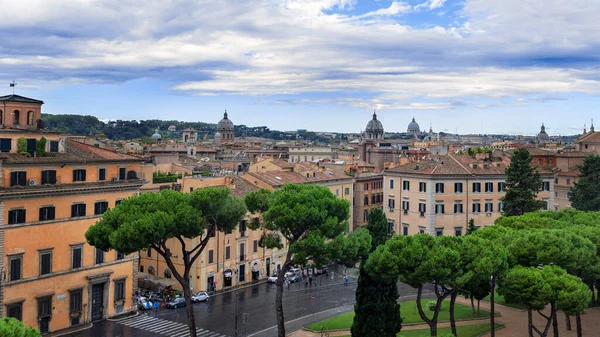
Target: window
48,177
337,192
391,226
45,262
458,231
347,191
149,252
18,178
101,174
476,207
15,311
546,186
78,175
255,246
366,186
422,187
439,231
227,253
489,207
76,256
422,209
16,216
391,203
75,297
5,144
549,161
122,173
99,256
586,146
100,207
242,228
556,180
458,187
391,184
242,251
45,307
366,216
119,290
366,202
54,146
211,256
405,230
501,186
500,206
569,180
421,230
17,113
556,194
489,187
117,202
119,256
458,208
439,208
77,210
476,187
545,205
405,206
406,185
15,265
439,188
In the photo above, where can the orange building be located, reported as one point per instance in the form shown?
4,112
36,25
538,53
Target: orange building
50,194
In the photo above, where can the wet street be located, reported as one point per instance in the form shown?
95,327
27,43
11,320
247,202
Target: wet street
217,316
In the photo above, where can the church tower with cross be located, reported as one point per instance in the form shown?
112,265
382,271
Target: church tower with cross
225,128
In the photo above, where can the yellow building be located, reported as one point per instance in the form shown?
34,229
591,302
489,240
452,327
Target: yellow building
49,197
228,259
439,195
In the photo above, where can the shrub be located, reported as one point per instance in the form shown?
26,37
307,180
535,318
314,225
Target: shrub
431,306
22,146
40,147
11,327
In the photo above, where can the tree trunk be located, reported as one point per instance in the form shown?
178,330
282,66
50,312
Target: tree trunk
492,308
189,309
554,319
430,322
568,322
578,323
472,305
279,295
478,303
529,322
452,318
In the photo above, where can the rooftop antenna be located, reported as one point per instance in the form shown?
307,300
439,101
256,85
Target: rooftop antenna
12,85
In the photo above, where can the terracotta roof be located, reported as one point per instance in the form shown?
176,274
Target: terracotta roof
178,148
591,137
451,165
282,163
75,153
18,98
242,187
278,178
534,151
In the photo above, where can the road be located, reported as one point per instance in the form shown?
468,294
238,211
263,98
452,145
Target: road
216,317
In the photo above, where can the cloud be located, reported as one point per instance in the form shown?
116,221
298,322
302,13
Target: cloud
526,51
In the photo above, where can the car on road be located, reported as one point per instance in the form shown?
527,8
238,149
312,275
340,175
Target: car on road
176,303
200,297
295,278
144,304
272,278
293,271
324,270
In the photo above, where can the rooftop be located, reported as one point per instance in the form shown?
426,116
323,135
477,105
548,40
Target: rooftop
278,178
20,99
75,153
242,187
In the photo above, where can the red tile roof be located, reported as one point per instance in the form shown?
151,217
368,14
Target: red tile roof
278,178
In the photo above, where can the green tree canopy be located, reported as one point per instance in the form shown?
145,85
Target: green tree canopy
523,183
12,327
151,219
585,194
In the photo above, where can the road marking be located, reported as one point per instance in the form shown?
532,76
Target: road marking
164,327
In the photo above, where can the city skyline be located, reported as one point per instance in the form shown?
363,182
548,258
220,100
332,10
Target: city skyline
322,65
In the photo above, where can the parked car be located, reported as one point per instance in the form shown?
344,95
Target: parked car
295,278
272,278
144,303
324,270
176,303
293,271
200,297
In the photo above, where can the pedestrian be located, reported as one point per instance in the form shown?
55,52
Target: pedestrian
287,282
345,280
310,280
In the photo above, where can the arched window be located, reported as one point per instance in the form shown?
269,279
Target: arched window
16,117
185,138
151,270
30,117
167,273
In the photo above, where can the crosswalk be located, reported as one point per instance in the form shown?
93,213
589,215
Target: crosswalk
165,327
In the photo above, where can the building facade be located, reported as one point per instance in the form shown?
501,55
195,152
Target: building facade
368,193
49,196
307,154
438,196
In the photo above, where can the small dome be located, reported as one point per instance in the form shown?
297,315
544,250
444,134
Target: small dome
225,124
156,135
374,125
543,136
413,127
218,135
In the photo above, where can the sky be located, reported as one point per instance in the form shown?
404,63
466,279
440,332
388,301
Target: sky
467,66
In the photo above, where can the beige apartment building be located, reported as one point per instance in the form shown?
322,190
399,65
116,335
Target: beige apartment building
438,196
303,154
228,259
368,193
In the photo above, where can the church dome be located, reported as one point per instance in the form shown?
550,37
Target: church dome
543,136
413,127
156,135
225,123
218,135
374,125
